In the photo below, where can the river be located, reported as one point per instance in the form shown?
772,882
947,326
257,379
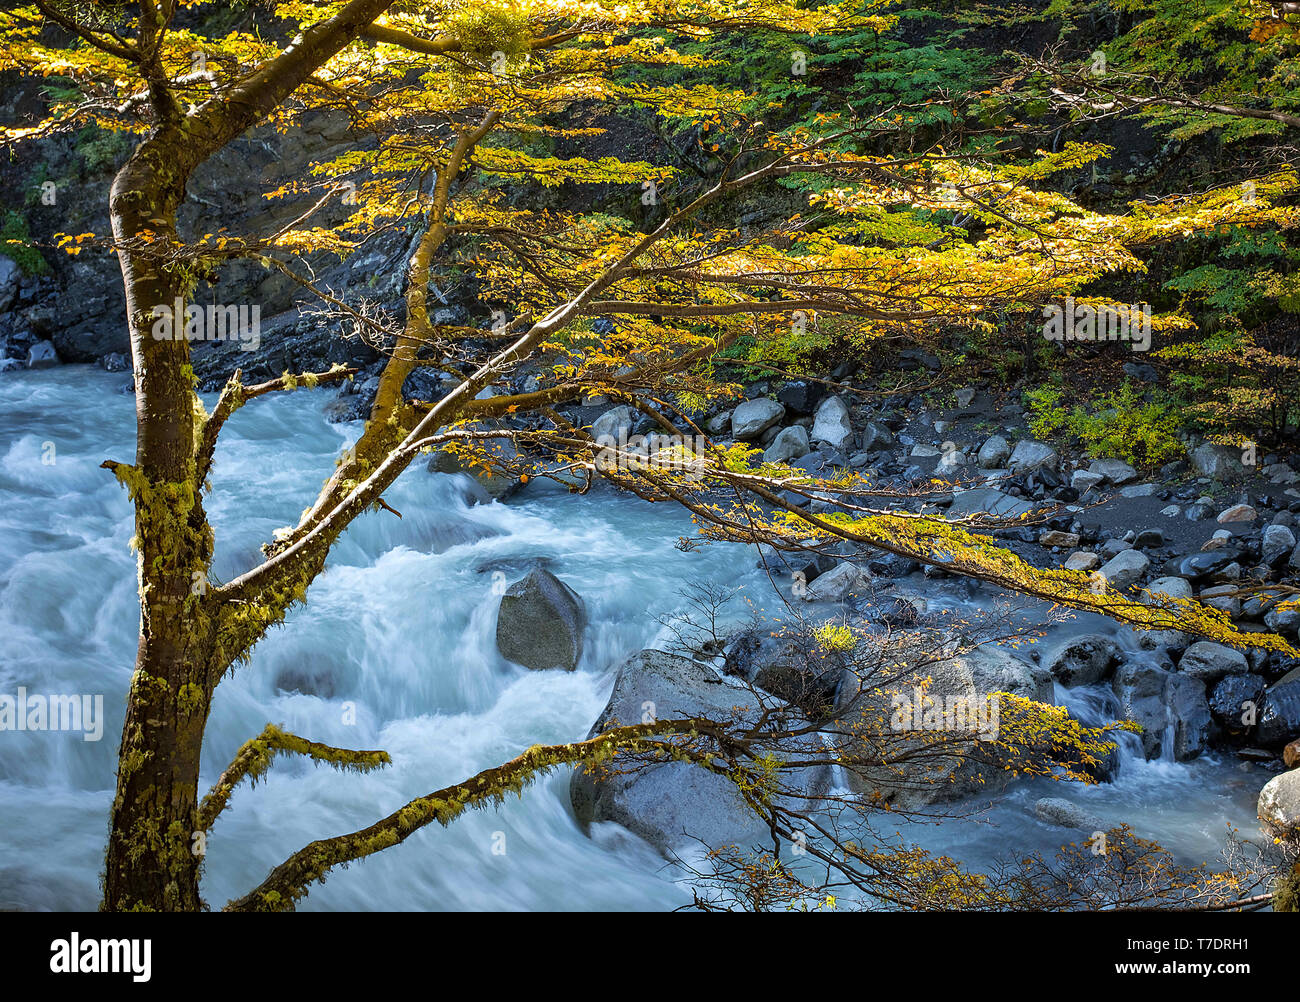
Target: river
394,650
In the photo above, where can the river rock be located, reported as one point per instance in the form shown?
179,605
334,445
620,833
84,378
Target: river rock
614,426
1232,700
993,453
1084,560
1237,513
1083,480
1279,804
839,584
1080,660
669,803
1216,461
800,395
540,622
1280,721
1114,471
791,443
986,500
1276,543
1172,709
42,356
876,436
1029,455
1124,569
1210,661
961,769
1171,586
1064,814
831,424
750,419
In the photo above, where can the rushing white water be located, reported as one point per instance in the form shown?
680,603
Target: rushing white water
400,626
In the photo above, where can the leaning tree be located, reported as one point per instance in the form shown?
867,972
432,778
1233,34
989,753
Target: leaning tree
452,97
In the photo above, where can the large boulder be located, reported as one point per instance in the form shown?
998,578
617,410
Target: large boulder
1171,708
1124,569
540,622
831,424
1080,660
993,453
1114,471
1029,455
1279,804
669,804
986,501
1217,462
1235,702
1056,811
937,773
1210,661
791,443
843,582
750,419
1280,721
613,427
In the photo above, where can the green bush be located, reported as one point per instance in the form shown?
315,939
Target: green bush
1119,424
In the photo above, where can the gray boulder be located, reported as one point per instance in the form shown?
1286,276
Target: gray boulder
1280,721
986,500
1279,804
750,419
1062,813
1124,569
1114,471
1234,698
791,443
613,426
42,356
670,803
1210,661
1277,542
1080,660
842,582
1171,708
831,424
1217,462
540,622
1029,455
993,453
876,436
960,767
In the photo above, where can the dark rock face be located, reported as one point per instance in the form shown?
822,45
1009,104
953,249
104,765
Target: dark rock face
1172,708
1232,699
1280,721
801,396
1081,660
541,622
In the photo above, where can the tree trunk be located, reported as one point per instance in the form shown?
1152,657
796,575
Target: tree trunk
153,856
